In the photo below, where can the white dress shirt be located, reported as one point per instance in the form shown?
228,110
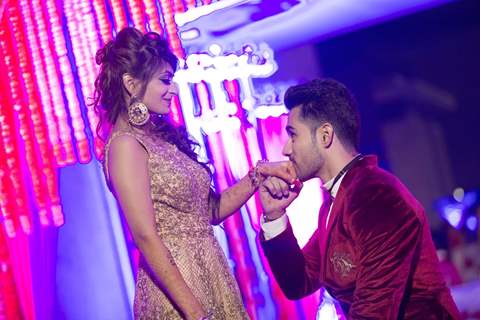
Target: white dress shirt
271,229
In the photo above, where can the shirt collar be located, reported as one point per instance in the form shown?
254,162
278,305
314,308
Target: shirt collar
338,180
327,185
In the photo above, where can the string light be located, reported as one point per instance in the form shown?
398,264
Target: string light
11,308
8,206
218,72
41,58
90,45
190,4
153,16
84,43
30,117
105,27
62,77
171,28
10,203
178,6
137,12
118,14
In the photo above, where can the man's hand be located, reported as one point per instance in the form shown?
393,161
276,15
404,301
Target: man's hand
276,195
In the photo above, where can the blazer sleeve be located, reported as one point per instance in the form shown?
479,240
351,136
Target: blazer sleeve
387,234
296,270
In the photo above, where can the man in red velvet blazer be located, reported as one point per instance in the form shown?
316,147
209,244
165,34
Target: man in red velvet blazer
372,249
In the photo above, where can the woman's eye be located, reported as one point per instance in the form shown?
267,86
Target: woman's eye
166,81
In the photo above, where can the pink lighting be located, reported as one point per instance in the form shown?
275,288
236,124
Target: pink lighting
62,71
119,17
47,71
137,11
153,17
105,26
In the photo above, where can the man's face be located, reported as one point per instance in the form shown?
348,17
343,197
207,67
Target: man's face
301,147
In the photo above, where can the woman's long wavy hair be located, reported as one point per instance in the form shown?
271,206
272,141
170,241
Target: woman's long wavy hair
140,55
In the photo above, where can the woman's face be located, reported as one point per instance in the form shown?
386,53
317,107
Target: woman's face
160,90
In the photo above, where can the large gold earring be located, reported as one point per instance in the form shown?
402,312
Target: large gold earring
138,113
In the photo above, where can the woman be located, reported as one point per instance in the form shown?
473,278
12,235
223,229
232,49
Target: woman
163,190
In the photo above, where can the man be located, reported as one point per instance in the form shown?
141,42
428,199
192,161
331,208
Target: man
372,249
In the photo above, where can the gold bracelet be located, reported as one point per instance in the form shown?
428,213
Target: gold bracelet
254,175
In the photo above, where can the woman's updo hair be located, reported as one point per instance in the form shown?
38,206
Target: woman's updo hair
140,55
130,52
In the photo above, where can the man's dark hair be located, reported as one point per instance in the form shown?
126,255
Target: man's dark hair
327,100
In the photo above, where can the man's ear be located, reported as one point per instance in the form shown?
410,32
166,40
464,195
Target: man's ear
130,84
324,135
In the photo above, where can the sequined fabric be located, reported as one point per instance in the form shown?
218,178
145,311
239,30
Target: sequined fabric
180,191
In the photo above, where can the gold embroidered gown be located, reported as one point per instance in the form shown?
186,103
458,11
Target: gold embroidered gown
180,191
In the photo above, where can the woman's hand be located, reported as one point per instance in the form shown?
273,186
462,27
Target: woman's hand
280,169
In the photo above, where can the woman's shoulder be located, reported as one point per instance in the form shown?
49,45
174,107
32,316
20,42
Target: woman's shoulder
126,137
125,146
115,134
153,144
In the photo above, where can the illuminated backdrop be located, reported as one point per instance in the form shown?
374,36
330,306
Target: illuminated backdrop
47,136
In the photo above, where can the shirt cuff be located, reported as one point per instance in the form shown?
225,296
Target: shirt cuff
271,229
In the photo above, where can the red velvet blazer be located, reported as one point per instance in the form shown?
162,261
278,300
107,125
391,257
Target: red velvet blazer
380,261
